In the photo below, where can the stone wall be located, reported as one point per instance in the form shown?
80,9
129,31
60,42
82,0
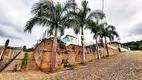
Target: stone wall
71,53
111,51
31,64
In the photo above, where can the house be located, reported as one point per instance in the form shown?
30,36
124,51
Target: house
68,39
114,43
117,45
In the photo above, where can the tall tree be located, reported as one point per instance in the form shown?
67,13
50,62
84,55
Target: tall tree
96,29
54,16
80,19
110,32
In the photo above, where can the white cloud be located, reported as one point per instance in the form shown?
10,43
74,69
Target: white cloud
13,17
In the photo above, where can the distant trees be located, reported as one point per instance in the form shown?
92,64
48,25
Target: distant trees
137,45
29,49
24,48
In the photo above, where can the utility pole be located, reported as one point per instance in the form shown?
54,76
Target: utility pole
102,5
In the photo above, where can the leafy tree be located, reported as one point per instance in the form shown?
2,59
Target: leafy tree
140,47
134,45
24,48
54,16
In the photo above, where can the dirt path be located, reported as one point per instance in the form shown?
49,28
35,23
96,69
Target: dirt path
121,67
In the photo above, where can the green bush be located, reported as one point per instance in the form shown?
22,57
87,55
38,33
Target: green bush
140,47
24,61
2,65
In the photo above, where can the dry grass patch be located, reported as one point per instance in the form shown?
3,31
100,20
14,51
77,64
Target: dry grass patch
138,56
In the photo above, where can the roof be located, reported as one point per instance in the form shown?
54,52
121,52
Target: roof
112,42
70,36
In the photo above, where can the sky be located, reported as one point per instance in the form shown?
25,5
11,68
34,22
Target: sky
125,15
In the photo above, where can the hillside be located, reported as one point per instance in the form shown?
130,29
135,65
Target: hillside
134,45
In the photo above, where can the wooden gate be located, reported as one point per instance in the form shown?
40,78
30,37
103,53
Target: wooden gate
8,55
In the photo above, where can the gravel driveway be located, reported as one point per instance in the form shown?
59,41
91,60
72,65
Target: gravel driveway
119,67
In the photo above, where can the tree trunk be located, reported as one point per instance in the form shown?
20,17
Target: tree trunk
82,43
102,43
106,47
98,57
53,55
103,46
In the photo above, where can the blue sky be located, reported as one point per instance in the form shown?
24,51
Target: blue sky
126,15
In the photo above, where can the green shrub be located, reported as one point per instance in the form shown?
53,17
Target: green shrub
24,61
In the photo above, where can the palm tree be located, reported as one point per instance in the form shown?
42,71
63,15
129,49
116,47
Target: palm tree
80,19
47,13
96,29
110,32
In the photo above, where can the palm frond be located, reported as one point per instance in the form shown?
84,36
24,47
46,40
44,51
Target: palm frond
69,16
30,24
51,29
114,33
41,7
111,27
97,14
110,32
69,5
76,29
70,23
